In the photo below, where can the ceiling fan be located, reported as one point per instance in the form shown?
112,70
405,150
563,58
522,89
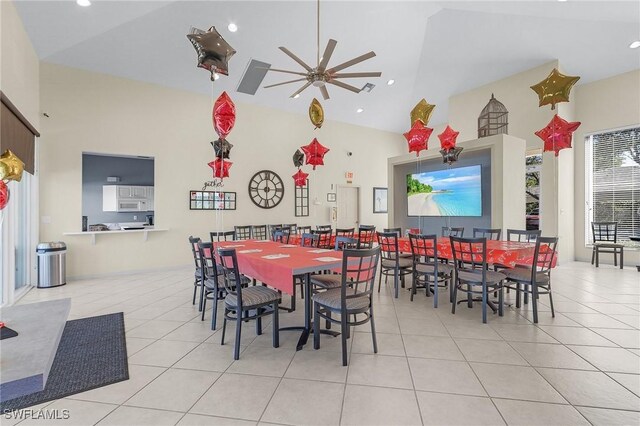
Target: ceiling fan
320,76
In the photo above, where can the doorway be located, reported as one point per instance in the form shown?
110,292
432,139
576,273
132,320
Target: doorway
348,199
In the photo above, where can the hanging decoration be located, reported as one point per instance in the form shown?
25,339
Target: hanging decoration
422,112
213,51
4,194
316,113
222,148
298,158
314,153
555,88
557,134
417,137
448,150
220,168
300,178
224,115
11,167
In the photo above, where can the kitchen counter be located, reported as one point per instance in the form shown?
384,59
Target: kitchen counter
145,232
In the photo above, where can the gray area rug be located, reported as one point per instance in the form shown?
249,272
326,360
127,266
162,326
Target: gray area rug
92,353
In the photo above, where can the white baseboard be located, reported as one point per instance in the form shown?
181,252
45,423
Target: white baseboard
128,272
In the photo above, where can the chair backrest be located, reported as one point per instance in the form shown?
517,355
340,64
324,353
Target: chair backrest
323,227
523,235
242,232
344,243
396,230
358,270
424,249
281,235
604,231
546,251
193,242
293,228
469,253
449,231
274,228
304,230
309,240
488,233
366,236
259,232
208,259
345,232
231,274
218,236
388,242
324,237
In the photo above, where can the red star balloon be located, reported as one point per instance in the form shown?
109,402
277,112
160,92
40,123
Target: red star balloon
4,195
314,153
417,137
300,178
448,138
558,133
224,115
220,168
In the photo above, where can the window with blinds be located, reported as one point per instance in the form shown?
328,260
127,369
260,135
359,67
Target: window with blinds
613,181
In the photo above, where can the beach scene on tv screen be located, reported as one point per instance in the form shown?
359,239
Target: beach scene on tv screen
449,192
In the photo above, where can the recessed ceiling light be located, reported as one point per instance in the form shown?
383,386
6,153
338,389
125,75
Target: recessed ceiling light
296,96
232,27
359,110
83,3
635,44
390,82
562,0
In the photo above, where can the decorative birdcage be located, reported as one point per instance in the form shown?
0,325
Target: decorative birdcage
494,119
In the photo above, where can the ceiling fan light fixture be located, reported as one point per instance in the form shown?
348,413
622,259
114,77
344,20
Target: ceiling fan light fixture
359,110
635,44
83,3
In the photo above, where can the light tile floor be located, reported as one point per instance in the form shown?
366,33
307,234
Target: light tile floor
432,367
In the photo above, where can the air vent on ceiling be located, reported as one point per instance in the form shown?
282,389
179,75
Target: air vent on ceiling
368,87
252,77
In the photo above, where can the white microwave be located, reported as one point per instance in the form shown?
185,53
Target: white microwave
132,206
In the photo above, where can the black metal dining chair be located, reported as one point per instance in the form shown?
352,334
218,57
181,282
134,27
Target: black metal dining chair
324,237
293,227
197,275
218,236
391,264
281,235
244,304
353,299
535,279
324,227
366,236
259,232
428,271
605,240
448,231
345,232
523,235
399,232
470,263
305,229
488,233
242,232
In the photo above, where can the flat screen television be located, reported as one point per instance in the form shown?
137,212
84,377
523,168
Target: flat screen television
449,192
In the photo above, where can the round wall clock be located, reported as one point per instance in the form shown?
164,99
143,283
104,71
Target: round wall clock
266,189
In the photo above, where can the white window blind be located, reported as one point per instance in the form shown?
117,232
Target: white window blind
613,181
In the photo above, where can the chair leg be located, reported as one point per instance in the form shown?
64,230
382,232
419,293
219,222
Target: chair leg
275,325
413,285
345,329
328,322
597,257
501,300
373,332
195,291
553,314
469,296
621,258
395,283
380,278
214,312
236,348
259,322
518,295
526,295
201,297
484,303
615,257
316,327
534,302
435,291
454,296
593,255
224,327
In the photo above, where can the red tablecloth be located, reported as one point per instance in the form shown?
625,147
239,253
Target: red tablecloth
279,273
507,253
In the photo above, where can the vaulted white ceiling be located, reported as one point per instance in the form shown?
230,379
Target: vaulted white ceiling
432,49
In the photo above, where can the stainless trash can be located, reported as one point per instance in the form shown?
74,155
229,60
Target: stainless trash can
52,264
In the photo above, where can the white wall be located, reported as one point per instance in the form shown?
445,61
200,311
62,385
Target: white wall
602,105
99,113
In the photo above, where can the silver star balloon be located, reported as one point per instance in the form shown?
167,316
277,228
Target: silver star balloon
213,51
222,148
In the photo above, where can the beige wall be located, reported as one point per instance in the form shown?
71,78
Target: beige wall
19,65
602,105
92,112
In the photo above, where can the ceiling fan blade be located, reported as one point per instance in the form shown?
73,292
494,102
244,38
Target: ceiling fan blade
295,58
352,62
301,89
344,86
356,74
328,51
325,93
277,70
284,82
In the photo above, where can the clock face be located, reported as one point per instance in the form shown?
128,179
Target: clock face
266,189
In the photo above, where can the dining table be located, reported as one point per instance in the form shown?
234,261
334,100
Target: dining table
276,264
